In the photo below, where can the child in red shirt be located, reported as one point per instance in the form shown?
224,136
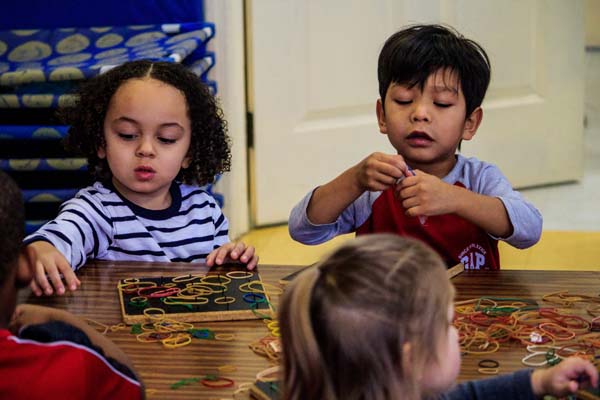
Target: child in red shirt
48,353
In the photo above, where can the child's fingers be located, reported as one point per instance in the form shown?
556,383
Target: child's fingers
380,171
589,374
395,160
210,258
222,253
247,254
252,263
238,251
69,276
393,169
56,280
35,288
42,280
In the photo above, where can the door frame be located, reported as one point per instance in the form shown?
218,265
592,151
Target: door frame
229,73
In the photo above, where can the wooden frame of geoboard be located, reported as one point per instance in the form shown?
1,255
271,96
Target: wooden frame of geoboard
238,310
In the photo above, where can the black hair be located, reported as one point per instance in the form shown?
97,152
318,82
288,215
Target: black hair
411,55
12,223
209,147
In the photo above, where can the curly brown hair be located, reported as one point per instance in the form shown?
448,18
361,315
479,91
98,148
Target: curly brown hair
209,147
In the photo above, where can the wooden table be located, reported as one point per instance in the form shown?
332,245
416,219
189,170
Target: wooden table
160,367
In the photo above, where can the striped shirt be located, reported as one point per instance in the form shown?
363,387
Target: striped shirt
99,223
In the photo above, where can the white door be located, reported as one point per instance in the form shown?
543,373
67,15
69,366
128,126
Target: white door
313,86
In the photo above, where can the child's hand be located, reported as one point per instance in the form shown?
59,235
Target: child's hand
565,378
29,314
380,171
425,194
48,264
235,251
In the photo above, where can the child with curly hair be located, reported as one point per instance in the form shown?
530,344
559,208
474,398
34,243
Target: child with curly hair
151,132
373,320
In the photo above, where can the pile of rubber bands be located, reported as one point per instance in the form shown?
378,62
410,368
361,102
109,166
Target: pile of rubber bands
550,333
173,334
270,345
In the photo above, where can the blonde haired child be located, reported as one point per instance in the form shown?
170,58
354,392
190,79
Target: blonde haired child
373,320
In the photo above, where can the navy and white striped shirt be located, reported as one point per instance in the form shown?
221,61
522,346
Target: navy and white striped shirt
99,223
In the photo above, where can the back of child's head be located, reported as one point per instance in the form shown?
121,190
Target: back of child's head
209,147
345,321
12,224
411,55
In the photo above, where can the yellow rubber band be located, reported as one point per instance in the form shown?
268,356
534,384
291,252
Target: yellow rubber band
125,287
227,368
265,374
184,300
239,274
177,341
266,287
118,327
488,371
222,280
275,332
185,278
224,300
159,316
225,337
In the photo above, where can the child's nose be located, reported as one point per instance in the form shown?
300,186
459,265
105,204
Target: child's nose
145,148
421,112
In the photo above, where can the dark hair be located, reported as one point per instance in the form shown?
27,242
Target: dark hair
344,322
209,147
411,55
12,223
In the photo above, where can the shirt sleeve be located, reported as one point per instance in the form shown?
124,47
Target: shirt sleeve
525,218
515,386
80,231
54,331
304,231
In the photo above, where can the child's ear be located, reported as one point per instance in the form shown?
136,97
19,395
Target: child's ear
186,162
381,116
472,124
101,153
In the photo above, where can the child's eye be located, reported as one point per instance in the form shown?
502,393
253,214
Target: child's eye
403,102
126,136
166,140
443,105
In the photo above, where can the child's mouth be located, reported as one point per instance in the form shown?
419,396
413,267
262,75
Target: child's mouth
419,139
144,173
